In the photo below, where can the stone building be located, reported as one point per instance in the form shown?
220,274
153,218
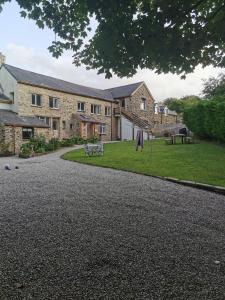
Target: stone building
33,104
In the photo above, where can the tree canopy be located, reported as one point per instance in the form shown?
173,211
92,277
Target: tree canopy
214,87
179,105
164,35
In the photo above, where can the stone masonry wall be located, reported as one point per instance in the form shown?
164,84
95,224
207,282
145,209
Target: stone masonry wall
66,111
133,104
169,119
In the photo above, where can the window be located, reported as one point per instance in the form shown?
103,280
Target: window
53,102
71,126
143,104
36,100
123,103
63,125
80,106
47,120
107,111
96,109
27,133
102,129
55,124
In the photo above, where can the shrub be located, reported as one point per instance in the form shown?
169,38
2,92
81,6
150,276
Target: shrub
93,139
4,149
207,119
38,142
26,150
67,143
53,144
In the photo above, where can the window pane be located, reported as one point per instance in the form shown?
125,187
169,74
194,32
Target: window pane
56,103
51,102
33,99
47,121
38,97
27,133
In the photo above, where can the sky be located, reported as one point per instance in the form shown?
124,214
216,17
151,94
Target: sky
25,46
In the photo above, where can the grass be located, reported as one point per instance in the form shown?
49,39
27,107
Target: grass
200,162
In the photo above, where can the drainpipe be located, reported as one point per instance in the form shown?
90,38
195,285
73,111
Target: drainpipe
120,122
111,121
14,138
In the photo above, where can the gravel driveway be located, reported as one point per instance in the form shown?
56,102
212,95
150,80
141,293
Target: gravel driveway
70,231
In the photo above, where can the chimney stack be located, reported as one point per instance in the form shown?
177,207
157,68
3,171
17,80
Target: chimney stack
2,59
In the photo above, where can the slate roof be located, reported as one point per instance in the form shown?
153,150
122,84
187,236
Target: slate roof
4,97
124,91
8,117
40,80
87,119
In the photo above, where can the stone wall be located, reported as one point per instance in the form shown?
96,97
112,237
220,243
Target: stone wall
165,119
66,111
13,136
7,137
133,104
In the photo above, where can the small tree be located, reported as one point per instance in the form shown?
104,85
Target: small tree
214,86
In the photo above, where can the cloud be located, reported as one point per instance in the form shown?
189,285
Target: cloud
162,86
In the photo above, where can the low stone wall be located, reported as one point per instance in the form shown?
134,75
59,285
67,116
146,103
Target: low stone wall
163,119
161,130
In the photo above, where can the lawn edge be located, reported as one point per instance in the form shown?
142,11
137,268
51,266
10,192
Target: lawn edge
194,184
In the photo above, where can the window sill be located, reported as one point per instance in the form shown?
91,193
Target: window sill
107,115
38,106
83,111
54,108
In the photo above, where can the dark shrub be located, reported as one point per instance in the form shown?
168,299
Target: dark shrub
207,119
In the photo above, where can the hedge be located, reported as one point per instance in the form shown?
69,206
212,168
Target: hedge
207,119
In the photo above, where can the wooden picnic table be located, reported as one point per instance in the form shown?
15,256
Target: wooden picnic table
174,136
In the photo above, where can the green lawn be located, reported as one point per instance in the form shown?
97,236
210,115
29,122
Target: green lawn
201,162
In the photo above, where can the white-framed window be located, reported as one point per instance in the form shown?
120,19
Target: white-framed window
96,109
107,111
27,133
81,106
143,104
47,120
53,102
36,100
102,128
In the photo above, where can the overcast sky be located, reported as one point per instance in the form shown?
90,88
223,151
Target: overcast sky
25,46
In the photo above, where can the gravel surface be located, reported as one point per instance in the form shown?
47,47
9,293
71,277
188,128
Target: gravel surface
71,231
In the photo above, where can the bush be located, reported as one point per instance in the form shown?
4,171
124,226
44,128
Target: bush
67,143
207,119
38,142
53,144
4,149
26,150
93,139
